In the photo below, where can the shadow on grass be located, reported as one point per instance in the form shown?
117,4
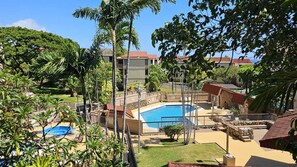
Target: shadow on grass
170,142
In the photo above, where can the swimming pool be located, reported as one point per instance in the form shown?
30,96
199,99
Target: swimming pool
155,115
59,130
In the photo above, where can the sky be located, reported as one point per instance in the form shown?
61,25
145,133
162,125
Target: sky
55,16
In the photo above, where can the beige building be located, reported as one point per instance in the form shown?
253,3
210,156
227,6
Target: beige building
139,64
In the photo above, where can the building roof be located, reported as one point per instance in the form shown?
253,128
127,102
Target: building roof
140,55
228,86
279,130
212,89
120,110
242,61
225,59
238,98
181,58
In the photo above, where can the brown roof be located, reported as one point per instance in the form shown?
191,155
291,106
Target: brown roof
220,59
120,110
279,130
181,58
239,61
152,56
212,89
140,55
238,98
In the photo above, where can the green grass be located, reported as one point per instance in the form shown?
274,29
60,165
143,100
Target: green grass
169,90
66,98
159,156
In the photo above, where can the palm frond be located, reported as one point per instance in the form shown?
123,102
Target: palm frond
279,88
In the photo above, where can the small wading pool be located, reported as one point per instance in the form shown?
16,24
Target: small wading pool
59,130
155,115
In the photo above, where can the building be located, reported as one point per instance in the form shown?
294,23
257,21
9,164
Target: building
139,64
226,61
240,62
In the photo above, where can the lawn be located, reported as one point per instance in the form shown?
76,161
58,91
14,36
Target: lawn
67,99
158,156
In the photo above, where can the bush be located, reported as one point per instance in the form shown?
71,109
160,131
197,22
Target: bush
173,130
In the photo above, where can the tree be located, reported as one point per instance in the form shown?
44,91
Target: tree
263,28
172,70
246,73
173,131
122,35
157,76
20,46
99,81
109,15
21,145
229,75
134,8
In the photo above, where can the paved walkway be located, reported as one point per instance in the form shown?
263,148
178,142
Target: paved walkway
246,153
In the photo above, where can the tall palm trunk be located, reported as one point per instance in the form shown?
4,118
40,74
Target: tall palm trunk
114,81
126,78
82,80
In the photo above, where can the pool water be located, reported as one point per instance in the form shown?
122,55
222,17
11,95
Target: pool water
59,130
155,115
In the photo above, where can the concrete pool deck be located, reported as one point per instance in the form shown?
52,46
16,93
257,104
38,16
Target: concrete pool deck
245,153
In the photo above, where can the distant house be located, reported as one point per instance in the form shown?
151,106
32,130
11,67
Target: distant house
240,62
221,61
226,61
139,63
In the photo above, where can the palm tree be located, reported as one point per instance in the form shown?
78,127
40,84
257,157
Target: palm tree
134,7
122,35
108,15
280,88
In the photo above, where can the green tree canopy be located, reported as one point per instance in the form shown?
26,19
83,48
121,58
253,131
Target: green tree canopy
20,46
157,76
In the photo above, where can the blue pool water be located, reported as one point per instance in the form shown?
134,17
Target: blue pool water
59,130
155,115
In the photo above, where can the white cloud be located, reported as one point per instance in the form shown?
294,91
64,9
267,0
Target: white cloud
27,23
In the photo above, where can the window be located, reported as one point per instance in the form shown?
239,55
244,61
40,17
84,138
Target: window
146,71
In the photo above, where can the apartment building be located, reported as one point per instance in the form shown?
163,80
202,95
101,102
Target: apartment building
139,64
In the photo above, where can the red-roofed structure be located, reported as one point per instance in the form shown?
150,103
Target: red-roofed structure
238,98
212,89
279,131
120,111
239,62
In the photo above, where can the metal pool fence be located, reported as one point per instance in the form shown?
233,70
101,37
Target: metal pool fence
202,121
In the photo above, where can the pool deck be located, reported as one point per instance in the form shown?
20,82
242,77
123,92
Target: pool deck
245,153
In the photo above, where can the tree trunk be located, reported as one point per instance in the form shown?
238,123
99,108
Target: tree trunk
172,88
114,81
126,79
82,80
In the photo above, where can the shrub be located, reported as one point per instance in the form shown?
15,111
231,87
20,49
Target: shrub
173,130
